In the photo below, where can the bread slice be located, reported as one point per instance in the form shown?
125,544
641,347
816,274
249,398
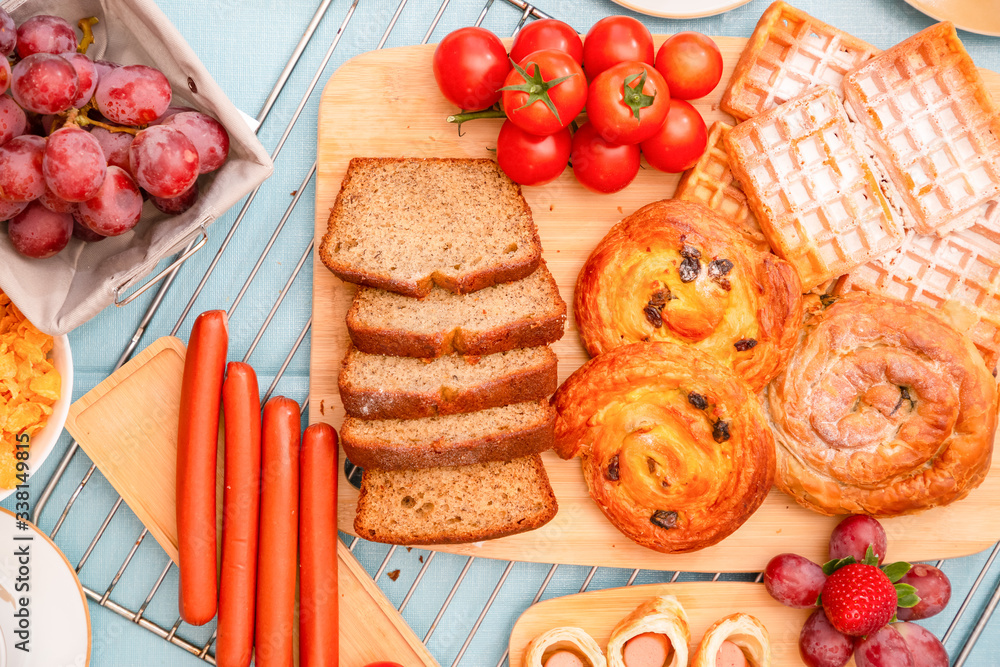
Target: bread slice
493,434
526,313
407,224
453,505
373,386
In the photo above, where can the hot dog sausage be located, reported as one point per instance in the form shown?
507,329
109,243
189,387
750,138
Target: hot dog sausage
197,448
240,516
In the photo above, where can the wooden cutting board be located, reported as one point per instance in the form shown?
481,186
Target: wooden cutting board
407,118
704,602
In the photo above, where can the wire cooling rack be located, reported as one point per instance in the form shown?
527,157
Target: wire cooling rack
186,637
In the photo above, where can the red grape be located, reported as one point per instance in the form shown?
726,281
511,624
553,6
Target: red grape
133,95
84,234
8,34
852,536
164,161
13,122
4,75
884,648
933,589
74,164
821,645
45,34
21,177
44,83
103,67
927,650
794,581
178,204
116,208
86,75
115,146
171,111
54,203
208,136
8,209
38,232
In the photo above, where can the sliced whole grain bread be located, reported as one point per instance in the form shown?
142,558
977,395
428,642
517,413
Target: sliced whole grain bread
493,434
373,386
525,313
407,224
455,504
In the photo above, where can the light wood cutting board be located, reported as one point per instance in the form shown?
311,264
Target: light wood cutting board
407,118
704,602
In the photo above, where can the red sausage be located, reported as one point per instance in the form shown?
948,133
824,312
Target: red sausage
318,548
197,448
240,516
279,516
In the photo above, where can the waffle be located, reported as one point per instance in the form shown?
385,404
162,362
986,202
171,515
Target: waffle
815,194
711,182
788,53
958,275
934,127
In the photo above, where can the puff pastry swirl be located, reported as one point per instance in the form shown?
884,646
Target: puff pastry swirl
676,450
575,640
662,615
676,271
744,630
883,409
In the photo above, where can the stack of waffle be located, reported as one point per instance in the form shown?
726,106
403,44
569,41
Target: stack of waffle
867,170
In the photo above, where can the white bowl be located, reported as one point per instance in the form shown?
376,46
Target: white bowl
43,443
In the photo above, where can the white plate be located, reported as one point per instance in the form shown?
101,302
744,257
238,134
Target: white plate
58,614
972,15
681,9
41,445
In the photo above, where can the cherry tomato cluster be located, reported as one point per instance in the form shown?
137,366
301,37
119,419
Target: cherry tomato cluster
634,100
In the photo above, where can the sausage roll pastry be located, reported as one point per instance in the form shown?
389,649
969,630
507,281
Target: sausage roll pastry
737,640
676,450
564,647
676,271
654,635
883,409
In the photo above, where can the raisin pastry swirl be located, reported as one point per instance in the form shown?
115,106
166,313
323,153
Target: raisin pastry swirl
883,409
676,450
676,271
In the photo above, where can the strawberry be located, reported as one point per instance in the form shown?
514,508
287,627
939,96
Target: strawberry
859,599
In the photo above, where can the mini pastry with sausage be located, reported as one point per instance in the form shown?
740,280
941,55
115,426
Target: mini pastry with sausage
656,634
564,647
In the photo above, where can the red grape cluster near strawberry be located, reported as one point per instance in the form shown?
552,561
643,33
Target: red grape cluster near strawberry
635,103
83,141
859,601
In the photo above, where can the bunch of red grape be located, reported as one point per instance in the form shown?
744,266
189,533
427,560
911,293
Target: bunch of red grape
857,599
83,142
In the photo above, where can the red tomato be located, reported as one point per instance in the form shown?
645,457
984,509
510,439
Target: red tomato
614,40
383,664
681,140
601,165
546,34
545,76
628,102
532,159
470,65
691,63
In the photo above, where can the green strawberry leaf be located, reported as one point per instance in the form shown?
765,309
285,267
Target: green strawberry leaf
906,596
896,571
832,566
870,557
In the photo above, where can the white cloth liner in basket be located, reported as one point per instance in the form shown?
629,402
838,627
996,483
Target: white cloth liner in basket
62,292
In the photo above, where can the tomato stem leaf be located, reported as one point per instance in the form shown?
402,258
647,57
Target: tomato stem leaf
633,97
536,87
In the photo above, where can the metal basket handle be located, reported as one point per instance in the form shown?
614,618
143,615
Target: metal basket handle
192,249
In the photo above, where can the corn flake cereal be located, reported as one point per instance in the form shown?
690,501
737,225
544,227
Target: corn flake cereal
29,386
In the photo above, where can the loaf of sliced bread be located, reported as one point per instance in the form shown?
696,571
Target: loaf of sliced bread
407,224
455,504
373,386
493,434
525,313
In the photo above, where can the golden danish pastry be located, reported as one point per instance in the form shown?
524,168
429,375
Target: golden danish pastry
883,409
676,449
560,647
655,633
676,271
736,639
